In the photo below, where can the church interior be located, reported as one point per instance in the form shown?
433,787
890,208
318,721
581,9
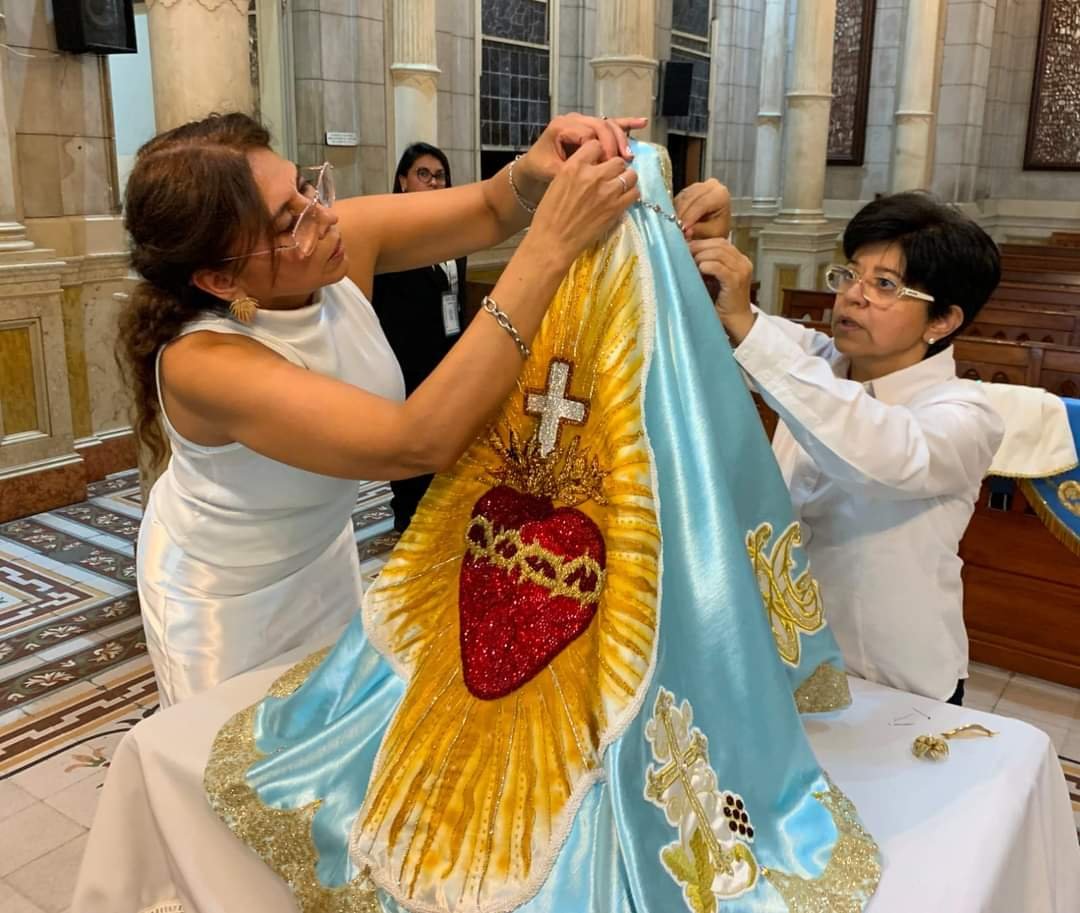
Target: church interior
806,111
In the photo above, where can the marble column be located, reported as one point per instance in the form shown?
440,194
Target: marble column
625,65
794,250
770,105
914,131
807,119
12,233
415,74
200,55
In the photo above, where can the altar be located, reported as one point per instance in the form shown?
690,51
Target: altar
989,829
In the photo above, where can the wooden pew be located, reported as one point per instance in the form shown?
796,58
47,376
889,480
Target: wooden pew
1059,297
1065,239
1021,591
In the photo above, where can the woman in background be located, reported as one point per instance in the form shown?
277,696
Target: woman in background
422,311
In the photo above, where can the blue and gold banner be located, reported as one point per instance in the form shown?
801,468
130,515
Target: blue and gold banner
1056,499
578,679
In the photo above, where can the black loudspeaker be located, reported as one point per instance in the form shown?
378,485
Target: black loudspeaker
95,26
675,100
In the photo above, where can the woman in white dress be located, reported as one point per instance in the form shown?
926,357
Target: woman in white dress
252,345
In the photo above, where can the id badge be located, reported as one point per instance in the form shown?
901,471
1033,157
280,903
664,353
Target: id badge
451,323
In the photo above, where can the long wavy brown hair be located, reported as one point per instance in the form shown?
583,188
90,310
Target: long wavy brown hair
191,201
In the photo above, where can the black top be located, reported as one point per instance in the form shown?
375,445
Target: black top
409,307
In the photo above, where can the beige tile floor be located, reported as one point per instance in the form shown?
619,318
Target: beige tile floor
46,811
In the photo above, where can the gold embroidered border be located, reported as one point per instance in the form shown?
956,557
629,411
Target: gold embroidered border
1050,520
281,837
826,688
852,873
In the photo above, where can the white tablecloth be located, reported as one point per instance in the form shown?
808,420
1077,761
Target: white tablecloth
989,830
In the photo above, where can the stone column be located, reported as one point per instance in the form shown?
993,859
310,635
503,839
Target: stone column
914,132
770,105
200,55
415,74
794,249
12,233
807,118
625,64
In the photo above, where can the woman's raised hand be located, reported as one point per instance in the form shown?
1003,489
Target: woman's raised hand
566,134
587,197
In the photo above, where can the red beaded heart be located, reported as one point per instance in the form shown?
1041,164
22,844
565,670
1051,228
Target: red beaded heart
530,583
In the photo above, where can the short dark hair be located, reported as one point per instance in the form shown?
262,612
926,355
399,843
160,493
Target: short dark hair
411,154
945,252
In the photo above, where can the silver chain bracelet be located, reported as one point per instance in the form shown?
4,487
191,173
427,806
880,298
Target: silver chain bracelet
489,305
522,202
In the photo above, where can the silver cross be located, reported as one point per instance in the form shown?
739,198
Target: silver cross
554,407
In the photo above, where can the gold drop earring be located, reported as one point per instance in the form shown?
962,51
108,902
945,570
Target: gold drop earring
243,309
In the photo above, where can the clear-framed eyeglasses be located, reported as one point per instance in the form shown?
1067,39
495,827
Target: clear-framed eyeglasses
427,176
880,291
317,185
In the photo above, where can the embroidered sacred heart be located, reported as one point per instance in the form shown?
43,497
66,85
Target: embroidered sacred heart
530,583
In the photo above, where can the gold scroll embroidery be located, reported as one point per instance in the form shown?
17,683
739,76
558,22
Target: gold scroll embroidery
1069,495
792,605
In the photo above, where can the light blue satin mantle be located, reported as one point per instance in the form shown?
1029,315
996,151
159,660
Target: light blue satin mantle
717,480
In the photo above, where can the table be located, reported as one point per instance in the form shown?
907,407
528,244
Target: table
989,830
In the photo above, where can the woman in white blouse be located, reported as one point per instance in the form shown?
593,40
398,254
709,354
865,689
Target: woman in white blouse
882,446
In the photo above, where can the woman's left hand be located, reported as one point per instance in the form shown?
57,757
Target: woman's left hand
705,210
728,274
562,137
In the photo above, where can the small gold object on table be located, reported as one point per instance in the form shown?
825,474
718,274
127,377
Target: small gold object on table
936,748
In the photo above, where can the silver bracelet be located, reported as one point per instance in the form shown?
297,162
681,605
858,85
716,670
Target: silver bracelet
522,202
489,305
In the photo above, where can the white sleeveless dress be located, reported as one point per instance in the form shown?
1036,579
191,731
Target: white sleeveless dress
241,557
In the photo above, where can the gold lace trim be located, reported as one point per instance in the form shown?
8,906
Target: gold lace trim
825,689
281,837
853,871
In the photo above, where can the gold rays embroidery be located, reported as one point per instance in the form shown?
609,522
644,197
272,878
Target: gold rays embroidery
471,799
712,859
793,605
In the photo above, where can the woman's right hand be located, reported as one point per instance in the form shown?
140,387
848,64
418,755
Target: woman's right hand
584,202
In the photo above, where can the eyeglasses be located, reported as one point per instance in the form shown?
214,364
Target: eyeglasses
304,234
880,291
425,176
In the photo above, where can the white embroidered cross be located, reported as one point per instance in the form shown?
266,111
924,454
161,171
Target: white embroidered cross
679,770
554,407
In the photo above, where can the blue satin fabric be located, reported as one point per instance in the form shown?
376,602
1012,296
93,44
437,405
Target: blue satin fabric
717,480
1064,522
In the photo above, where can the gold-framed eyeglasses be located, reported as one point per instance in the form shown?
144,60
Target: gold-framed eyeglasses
316,183
877,290
427,176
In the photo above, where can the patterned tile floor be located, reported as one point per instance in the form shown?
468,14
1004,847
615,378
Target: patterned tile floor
74,678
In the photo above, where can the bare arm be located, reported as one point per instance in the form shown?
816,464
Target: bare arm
391,232
220,389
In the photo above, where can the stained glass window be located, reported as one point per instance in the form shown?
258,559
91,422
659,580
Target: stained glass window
515,78
690,17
